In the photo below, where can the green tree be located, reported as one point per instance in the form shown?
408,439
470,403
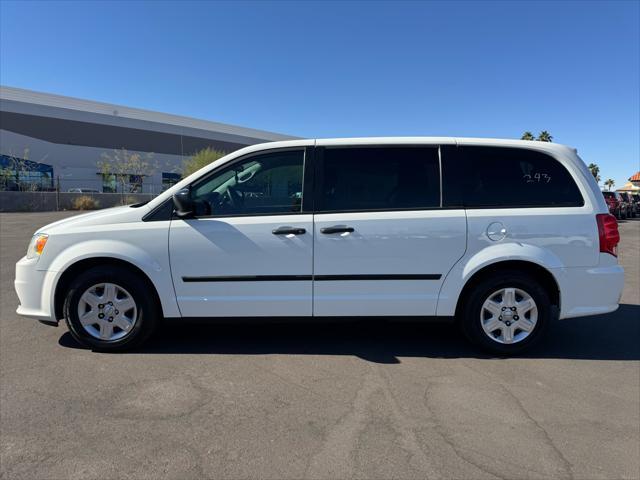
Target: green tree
527,136
544,136
609,183
595,171
6,176
200,159
128,168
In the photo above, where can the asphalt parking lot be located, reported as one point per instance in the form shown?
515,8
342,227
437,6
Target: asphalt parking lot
318,401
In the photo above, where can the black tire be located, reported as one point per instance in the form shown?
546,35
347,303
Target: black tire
146,306
470,322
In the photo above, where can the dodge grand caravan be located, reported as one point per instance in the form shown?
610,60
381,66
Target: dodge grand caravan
501,236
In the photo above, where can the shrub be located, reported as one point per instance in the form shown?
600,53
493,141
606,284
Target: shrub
200,159
84,203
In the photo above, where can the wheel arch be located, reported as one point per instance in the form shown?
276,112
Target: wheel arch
537,271
74,269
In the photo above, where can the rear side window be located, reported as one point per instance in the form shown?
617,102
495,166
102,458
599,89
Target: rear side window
379,178
512,177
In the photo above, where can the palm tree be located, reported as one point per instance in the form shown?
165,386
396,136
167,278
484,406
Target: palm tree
595,171
609,182
527,136
545,136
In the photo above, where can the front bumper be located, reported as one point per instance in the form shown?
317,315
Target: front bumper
34,289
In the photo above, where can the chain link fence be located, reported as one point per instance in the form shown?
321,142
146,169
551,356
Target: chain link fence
35,194
54,201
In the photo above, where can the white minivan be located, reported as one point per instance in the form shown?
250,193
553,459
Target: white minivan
501,236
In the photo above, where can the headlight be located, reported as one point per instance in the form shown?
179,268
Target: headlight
36,245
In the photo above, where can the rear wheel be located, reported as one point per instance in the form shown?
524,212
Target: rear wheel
507,313
108,308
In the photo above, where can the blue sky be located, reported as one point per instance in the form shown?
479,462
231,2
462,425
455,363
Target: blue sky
486,69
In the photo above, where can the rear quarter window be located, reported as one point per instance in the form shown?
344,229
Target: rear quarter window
512,177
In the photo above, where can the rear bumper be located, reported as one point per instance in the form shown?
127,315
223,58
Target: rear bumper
34,291
589,290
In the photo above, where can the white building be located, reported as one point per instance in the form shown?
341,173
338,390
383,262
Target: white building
46,139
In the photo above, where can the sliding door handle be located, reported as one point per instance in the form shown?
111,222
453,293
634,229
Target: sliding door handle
289,231
336,229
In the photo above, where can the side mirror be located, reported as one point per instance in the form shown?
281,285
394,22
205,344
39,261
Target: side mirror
183,203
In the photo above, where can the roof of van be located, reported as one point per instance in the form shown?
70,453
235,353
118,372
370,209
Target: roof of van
421,140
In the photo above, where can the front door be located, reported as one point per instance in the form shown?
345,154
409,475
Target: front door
248,251
383,244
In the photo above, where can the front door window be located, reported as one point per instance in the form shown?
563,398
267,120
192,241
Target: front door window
264,184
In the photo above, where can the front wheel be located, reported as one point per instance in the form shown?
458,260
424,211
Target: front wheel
108,308
506,314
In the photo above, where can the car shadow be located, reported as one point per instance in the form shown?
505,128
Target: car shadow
615,336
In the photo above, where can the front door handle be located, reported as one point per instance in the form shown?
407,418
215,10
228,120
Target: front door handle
288,231
336,229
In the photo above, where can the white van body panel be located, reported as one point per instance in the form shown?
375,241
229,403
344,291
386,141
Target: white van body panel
399,243
242,247
116,233
559,241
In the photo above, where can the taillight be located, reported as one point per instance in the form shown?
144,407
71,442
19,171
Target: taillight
608,233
